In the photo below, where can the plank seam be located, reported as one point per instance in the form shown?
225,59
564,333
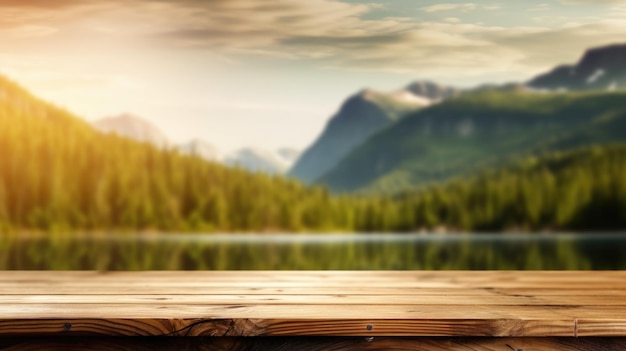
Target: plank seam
576,327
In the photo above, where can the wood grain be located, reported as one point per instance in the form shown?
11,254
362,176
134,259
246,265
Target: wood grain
231,304
319,299
310,344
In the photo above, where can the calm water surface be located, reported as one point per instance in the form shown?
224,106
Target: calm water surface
314,251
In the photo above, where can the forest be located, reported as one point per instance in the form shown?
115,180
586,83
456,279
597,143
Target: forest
58,174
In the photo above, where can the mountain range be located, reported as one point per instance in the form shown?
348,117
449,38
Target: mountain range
426,133
58,174
432,91
259,160
133,127
251,159
476,131
510,156
358,118
367,148
202,149
602,68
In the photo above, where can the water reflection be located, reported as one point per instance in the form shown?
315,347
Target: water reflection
327,251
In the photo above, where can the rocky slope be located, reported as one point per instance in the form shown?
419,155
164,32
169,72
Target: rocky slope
359,117
602,68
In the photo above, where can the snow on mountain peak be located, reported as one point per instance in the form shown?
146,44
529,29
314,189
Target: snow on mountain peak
132,127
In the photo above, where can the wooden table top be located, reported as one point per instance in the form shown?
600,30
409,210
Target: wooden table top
311,303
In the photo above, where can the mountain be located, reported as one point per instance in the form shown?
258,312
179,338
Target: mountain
132,127
432,91
474,131
254,160
258,160
58,173
201,149
359,117
251,159
289,155
602,68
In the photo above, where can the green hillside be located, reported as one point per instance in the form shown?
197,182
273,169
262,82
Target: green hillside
582,189
57,173
477,131
360,116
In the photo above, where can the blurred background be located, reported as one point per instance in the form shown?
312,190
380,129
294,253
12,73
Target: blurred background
240,134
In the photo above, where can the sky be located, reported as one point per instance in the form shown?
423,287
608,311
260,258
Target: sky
270,73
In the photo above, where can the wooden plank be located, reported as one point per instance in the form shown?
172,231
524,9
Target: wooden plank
335,303
287,327
310,344
600,327
341,278
423,320
94,286
320,299
121,289
322,311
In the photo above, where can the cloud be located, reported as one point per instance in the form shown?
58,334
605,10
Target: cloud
23,31
469,6
450,7
42,17
540,7
593,2
547,47
618,11
53,79
327,33
243,25
550,19
42,3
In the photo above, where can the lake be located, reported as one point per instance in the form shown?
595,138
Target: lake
590,251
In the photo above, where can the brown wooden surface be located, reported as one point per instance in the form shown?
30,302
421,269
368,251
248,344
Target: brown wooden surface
312,303
311,344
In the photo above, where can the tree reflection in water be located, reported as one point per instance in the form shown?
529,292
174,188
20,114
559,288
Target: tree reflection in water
316,251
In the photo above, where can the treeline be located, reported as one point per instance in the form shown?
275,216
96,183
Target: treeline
59,174
583,189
